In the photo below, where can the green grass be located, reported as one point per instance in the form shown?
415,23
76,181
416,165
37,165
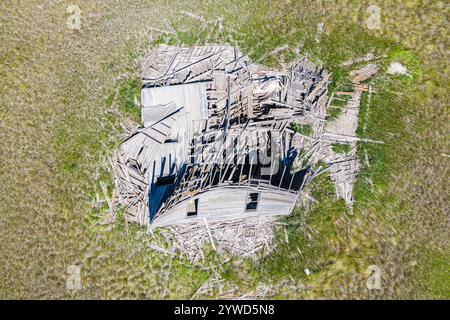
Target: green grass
383,112
129,94
338,104
304,129
342,148
406,57
340,81
333,113
61,114
433,275
341,101
309,233
341,43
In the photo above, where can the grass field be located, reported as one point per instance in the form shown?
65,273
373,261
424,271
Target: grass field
64,94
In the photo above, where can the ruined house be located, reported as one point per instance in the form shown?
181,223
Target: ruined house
218,138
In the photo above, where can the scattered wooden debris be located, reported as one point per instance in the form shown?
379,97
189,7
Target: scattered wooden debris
217,156
243,237
345,167
364,73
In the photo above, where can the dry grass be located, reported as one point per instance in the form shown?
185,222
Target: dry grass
58,127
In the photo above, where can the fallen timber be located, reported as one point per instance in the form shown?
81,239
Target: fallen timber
217,152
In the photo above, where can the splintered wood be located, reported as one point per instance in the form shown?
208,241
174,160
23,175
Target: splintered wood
344,167
175,171
243,237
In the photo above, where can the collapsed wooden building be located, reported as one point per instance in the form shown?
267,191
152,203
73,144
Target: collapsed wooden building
217,139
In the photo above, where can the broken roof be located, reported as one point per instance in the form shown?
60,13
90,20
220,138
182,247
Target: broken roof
215,99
